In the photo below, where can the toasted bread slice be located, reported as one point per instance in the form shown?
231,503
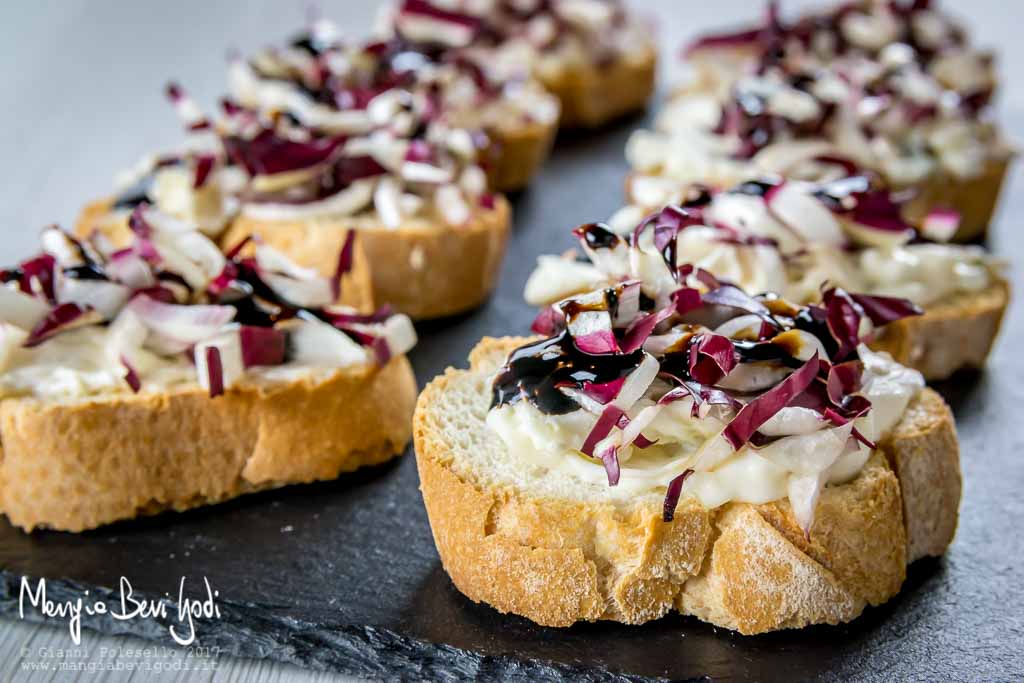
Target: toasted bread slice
516,155
558,551
80,464
951,335
594,95
356,285
422,269
976,199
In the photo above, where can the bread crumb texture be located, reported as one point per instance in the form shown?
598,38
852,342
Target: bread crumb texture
559,552
76,466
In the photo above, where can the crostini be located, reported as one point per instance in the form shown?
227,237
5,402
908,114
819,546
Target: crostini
168,375
594,55
673,443
330,86
888,88
431,234
791,237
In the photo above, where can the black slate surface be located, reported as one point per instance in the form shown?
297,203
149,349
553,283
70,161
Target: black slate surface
344,576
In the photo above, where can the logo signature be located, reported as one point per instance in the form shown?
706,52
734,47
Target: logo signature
127,607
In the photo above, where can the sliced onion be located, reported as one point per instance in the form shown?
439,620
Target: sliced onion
20,309
130,269
299,286
795,206
400,334
103,296
219,362
314,342
184,324
452,205
637,383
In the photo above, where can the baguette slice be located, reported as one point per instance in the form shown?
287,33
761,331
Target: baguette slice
78,465
975,199
422,269
558,551
594,95
951,335
356,285
517,154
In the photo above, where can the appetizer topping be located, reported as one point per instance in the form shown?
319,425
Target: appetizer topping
789,236
517,39
671,376
891,87
84,318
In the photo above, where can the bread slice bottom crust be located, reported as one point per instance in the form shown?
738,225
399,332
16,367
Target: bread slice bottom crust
592,96
356,285
951,335
422,269
559,559
78,465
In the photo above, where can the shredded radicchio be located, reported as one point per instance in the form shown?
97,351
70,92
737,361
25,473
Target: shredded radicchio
742,358
242,317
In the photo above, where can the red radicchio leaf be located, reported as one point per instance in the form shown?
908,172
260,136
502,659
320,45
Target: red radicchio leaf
261,345
883,310
550,321
700,395
204,164
61,319
41,269
214,371
234,251
338,319
711,357
605,392
686,299
344,262
138,223
487,201
839,420
420,151
267,153
597,343
761,409
675,489
732,296
641,328
877,210
428,9
131,377
610,458
605,423
843,320
843,380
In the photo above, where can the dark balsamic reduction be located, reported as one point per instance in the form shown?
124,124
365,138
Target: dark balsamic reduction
598,236
535,372
753,188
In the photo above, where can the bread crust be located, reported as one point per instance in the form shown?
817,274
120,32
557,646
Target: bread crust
517,154
745,567
421,269
78,465
356,285
951,335
594,95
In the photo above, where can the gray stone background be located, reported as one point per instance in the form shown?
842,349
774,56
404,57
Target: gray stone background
82,87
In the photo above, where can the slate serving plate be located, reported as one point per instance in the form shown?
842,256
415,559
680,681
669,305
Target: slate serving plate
344,576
